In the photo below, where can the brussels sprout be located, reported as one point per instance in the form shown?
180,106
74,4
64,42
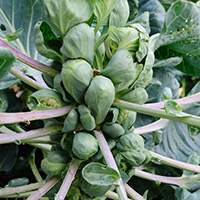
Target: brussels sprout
45,99
87,120
138,96
55,162
99,97
94,190
126,118
84,145
131,148
62,14
71,121
113,130
112,116
76,76
121,70
79,43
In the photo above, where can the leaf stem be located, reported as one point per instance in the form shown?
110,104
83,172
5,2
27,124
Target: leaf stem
20,189
67,180
45,188
9,138
160,124
27,79
132,193
110,162
29,61
9,118
31,160
182,101
175,163
192,120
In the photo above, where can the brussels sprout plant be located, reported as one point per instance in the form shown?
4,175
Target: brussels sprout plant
99,99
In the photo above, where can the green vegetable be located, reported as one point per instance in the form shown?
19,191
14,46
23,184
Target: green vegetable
55,162
131,149
76,77
45,99
84,145
63,15
87,120
79,43
71,121
113,130
121,70
138,96
94,190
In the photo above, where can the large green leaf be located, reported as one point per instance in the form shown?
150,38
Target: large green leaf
177,143
181,33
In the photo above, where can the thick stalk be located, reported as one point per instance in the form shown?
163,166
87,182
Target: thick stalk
67,180
45,188
111,163
29,61
10,138
175,163
27,79
45,147
9,118
192,120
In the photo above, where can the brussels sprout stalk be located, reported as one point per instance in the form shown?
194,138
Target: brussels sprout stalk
26,117
175,163
132,193
27,80
45,188
29,61
67,180
184,182
192,120
110,162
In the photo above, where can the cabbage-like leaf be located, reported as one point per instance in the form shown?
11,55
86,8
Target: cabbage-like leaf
63,15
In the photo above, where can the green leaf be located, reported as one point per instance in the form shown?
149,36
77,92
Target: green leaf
46,42
8,81
183,194
102,10
181,32
171,107
177,143
7,58
63,15
98,174
13,36
8,156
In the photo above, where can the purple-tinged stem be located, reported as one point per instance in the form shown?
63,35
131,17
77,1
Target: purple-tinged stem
29,61
24,188
9,118
183,182
132,193
160,124
110,162
175,163
9,138
183,101
192,119
45,188
27,79
67,180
